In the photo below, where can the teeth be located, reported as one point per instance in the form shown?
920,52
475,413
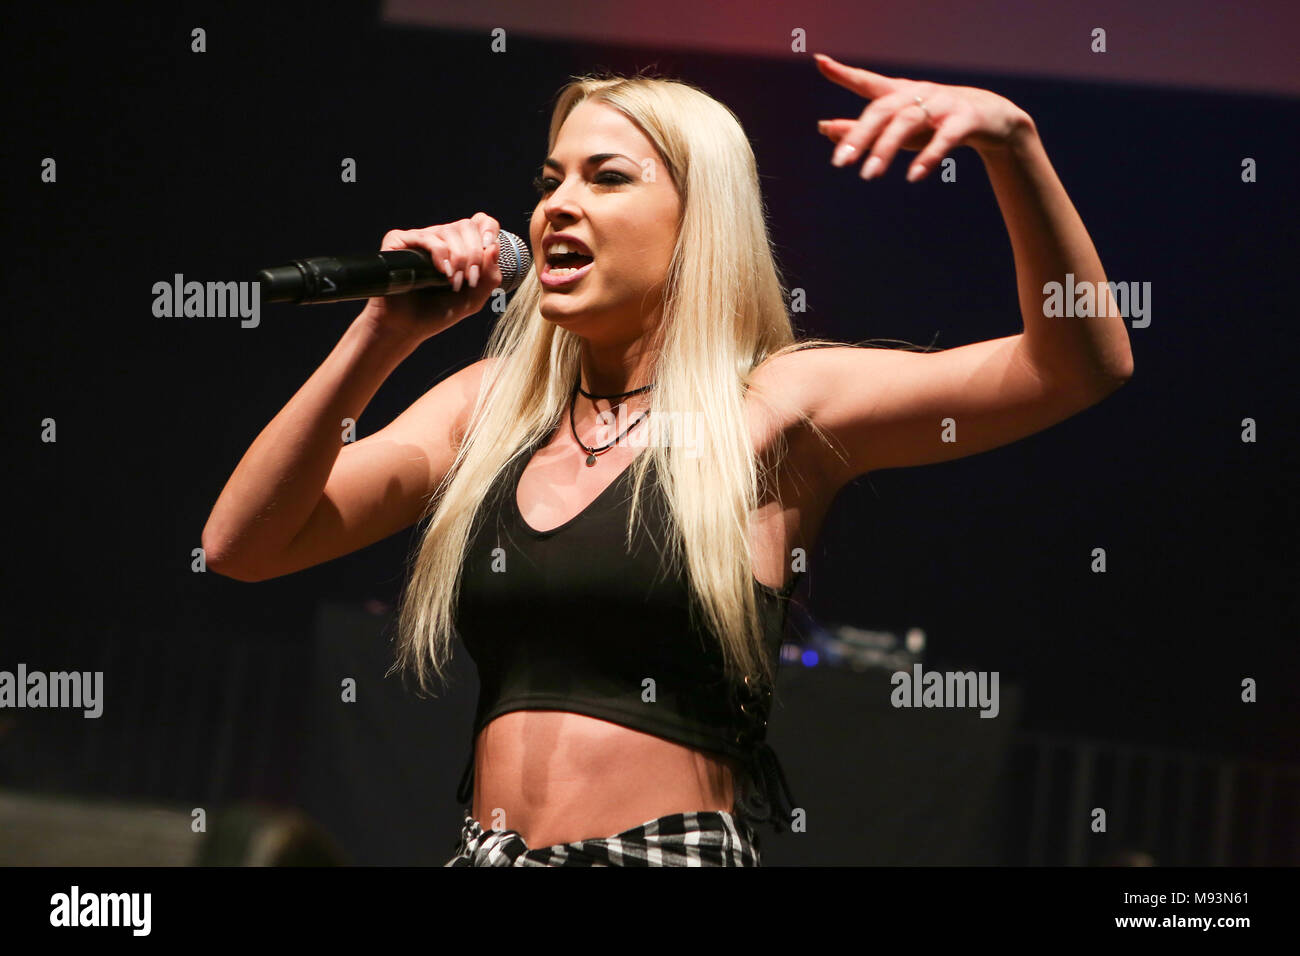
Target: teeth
566,270
562,247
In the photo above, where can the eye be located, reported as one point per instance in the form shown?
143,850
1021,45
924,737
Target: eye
545,184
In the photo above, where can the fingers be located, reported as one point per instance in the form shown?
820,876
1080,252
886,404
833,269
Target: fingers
466,241
476,240
490,240
873,119
863,82
834,129
466,250
947,136
430,240
904,124
906,128
462,250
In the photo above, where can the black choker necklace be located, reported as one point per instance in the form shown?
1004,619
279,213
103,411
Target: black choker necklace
593,452
635,391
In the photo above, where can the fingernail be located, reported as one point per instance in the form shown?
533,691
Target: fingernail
455,283
872,167
487,239
915,173
473,276
843,153
446,267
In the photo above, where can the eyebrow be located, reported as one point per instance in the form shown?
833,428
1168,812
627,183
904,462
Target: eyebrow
553,163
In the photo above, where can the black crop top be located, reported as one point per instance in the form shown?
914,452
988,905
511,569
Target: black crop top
536,617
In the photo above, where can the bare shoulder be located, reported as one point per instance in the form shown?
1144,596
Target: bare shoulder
469,384
779,384
784,392
803,370
800,375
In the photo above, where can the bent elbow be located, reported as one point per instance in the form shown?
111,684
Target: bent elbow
1124,372
1112,379
1096,388
217,564
236,574
216,561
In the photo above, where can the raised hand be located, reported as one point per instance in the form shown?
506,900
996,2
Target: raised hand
917,115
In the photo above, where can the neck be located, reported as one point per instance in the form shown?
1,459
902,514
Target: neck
611,369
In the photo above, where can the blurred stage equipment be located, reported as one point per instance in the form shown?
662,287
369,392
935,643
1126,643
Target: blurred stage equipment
44,830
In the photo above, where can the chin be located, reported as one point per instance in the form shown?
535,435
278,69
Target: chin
553,296
552,314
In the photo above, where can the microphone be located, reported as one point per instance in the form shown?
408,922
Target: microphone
340,278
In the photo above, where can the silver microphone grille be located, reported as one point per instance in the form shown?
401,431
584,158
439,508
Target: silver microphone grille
515,260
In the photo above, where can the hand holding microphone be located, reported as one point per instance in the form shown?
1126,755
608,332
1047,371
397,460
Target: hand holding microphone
422,281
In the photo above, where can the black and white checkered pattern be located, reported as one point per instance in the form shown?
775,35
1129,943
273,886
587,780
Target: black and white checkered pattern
702,838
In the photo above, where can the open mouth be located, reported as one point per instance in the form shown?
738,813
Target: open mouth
563,268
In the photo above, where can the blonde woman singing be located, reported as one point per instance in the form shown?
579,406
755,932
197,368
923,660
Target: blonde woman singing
613,493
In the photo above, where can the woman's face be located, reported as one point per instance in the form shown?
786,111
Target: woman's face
623,207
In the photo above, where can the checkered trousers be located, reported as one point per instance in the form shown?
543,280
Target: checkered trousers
701,838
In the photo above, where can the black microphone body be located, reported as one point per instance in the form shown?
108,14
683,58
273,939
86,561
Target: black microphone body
340,278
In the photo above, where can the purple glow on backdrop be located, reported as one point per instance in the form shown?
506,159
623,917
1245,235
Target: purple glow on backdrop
1181,43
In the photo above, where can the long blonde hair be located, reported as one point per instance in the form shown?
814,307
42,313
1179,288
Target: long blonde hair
724,313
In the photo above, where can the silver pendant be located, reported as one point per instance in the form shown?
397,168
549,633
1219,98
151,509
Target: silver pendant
591,460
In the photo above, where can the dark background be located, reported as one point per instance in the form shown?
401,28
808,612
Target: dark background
219,164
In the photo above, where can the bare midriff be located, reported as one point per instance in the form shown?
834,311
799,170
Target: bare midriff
556,777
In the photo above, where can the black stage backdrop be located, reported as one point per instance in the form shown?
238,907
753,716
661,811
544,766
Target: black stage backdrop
215,165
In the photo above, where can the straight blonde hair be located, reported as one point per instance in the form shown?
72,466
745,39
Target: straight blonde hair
724,314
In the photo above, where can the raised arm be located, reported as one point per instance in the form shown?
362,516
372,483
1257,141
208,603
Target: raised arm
887,408
301,495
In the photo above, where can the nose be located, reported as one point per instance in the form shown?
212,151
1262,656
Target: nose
560,202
